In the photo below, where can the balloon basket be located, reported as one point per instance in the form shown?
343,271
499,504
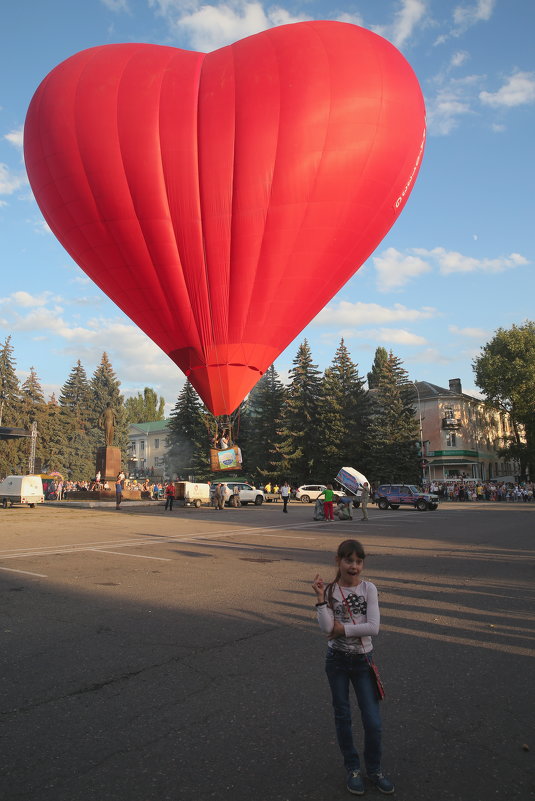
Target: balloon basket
228,459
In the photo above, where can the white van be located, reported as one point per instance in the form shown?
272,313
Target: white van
189,493
21,489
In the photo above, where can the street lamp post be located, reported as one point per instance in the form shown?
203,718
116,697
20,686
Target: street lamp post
421,430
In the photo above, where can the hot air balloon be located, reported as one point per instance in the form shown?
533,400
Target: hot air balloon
222,199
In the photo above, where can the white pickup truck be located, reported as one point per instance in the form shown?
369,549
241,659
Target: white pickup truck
21,489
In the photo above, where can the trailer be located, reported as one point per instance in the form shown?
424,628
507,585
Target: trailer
190,493
21,489
351,482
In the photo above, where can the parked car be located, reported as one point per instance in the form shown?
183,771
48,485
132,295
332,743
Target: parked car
396,495
310,492
247,493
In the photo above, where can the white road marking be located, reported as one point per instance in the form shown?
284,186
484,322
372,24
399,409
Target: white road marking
26,572
135,555
157,539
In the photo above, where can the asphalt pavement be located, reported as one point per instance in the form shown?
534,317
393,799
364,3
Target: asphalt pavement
157,656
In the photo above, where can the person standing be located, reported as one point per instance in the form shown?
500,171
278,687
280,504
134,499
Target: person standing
328,509
118,492
169,496
219,497
348,613
285,495
364,498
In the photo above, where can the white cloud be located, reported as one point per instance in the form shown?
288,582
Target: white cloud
358,314
26,300
15,138
353,19
394,269
466,16
459,58
399,336
9,182
209,27
450,261
432,356
518,90
131,352
409,16
477,333
390,336
445,110
116,5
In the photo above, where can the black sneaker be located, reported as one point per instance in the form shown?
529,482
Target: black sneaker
355,784
383,784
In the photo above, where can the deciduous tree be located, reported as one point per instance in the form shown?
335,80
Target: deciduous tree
505,373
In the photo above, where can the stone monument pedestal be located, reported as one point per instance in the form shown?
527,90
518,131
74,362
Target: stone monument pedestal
108,462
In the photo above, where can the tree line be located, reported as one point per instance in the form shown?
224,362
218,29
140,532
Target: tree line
313,426
303,431
69,430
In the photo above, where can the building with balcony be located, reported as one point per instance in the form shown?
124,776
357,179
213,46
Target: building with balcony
461,434
147,444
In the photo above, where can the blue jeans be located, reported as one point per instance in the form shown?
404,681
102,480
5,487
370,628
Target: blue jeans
341,669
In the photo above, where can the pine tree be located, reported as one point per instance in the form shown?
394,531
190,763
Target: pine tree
301,435
33,410
105,390
393,437
188,442
74,420
344,412
13,453
379,362
53,434
146,407
261,422
9,387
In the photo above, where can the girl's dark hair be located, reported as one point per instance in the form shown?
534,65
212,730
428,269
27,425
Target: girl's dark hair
346,548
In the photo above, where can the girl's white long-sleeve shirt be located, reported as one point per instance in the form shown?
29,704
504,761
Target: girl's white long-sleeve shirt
358,613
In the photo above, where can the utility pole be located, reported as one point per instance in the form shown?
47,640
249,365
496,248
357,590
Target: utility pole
33,443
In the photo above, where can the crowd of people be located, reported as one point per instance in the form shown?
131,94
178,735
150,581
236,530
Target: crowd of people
463,490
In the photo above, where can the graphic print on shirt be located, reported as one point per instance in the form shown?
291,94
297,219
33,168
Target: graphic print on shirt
356,603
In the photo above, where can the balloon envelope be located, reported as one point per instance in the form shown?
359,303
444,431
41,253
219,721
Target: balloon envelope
222,199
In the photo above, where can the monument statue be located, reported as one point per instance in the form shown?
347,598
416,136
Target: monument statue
107,421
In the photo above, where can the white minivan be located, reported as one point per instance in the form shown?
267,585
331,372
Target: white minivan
21,489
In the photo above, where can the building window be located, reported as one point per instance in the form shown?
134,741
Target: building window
142,447
448,412
133,448
451,439
156,443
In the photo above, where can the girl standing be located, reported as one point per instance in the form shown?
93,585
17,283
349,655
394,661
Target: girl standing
348,613
328,494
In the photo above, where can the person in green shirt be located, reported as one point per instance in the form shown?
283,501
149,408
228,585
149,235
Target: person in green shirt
328,510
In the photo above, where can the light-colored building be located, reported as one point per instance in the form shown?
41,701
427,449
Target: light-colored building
461,434
147,444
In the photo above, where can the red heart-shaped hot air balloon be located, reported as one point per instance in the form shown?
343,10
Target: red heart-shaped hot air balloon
222,199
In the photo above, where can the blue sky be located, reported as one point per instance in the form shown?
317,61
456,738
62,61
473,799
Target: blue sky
457,264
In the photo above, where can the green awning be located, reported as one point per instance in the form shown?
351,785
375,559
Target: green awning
450,462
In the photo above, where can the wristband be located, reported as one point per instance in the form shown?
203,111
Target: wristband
323,603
